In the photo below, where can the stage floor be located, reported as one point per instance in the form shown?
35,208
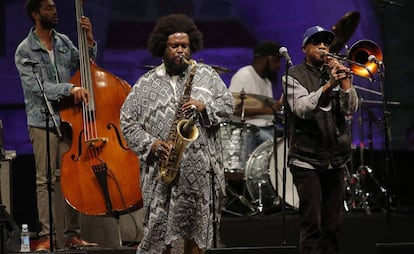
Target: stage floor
277,232
360,232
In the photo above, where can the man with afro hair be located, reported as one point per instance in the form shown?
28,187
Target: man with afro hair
181,216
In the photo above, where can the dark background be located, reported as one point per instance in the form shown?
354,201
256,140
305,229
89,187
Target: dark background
231,29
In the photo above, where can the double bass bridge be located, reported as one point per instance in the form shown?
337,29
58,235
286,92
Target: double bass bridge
96,142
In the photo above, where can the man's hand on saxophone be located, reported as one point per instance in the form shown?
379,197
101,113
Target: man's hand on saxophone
161,149
193,104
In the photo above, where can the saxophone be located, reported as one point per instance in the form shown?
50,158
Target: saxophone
182,131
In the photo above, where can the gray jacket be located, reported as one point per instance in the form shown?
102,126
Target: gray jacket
54,77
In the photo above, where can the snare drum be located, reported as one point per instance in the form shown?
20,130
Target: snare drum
235,140
261,177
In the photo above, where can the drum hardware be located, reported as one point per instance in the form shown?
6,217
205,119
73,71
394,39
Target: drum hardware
356,198
260,205
236,139
367,90
379,103
263,183
248,210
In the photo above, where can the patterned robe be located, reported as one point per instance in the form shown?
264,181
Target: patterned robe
181,210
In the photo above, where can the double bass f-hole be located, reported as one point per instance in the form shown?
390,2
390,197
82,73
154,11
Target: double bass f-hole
99,173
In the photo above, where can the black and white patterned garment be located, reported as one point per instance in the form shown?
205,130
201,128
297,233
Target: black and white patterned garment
182,210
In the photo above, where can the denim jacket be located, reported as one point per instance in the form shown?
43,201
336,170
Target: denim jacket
53,77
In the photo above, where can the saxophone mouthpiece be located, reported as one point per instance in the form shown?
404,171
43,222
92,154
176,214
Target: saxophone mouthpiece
183,59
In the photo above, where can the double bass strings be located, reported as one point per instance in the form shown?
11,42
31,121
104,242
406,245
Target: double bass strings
88,110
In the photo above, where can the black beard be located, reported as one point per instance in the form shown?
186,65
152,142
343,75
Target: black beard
270,75
174,68
47,24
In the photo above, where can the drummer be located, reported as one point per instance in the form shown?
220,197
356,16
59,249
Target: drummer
257,79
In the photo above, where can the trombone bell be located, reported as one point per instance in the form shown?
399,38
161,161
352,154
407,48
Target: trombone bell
359,52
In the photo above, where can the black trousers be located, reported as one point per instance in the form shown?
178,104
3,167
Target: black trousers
321,202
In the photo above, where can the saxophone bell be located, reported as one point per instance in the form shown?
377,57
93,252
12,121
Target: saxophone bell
186,129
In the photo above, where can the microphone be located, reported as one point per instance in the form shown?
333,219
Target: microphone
284,52
26,62
373,59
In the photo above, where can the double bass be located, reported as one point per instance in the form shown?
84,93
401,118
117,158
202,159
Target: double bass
99,173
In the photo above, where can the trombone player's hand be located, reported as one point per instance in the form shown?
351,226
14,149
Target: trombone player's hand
340,74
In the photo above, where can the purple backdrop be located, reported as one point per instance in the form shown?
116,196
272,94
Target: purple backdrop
228,45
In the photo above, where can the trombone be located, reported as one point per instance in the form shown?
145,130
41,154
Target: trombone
360,58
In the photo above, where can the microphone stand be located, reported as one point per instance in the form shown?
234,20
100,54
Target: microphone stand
206,124
49,113
285,144
387,137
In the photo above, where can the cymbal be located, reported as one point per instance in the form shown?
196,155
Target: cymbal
253,100
147,67
343,30
220,69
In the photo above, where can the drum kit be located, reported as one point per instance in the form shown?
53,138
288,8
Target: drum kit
254,179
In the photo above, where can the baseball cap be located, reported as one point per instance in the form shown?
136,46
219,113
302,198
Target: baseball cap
267,48
318,32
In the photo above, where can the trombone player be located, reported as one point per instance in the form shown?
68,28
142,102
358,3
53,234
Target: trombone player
320,96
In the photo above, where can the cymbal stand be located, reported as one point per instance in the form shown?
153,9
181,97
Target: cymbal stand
356,197
360,193
243,108
279,201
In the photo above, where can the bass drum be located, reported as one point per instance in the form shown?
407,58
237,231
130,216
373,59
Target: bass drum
261,178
